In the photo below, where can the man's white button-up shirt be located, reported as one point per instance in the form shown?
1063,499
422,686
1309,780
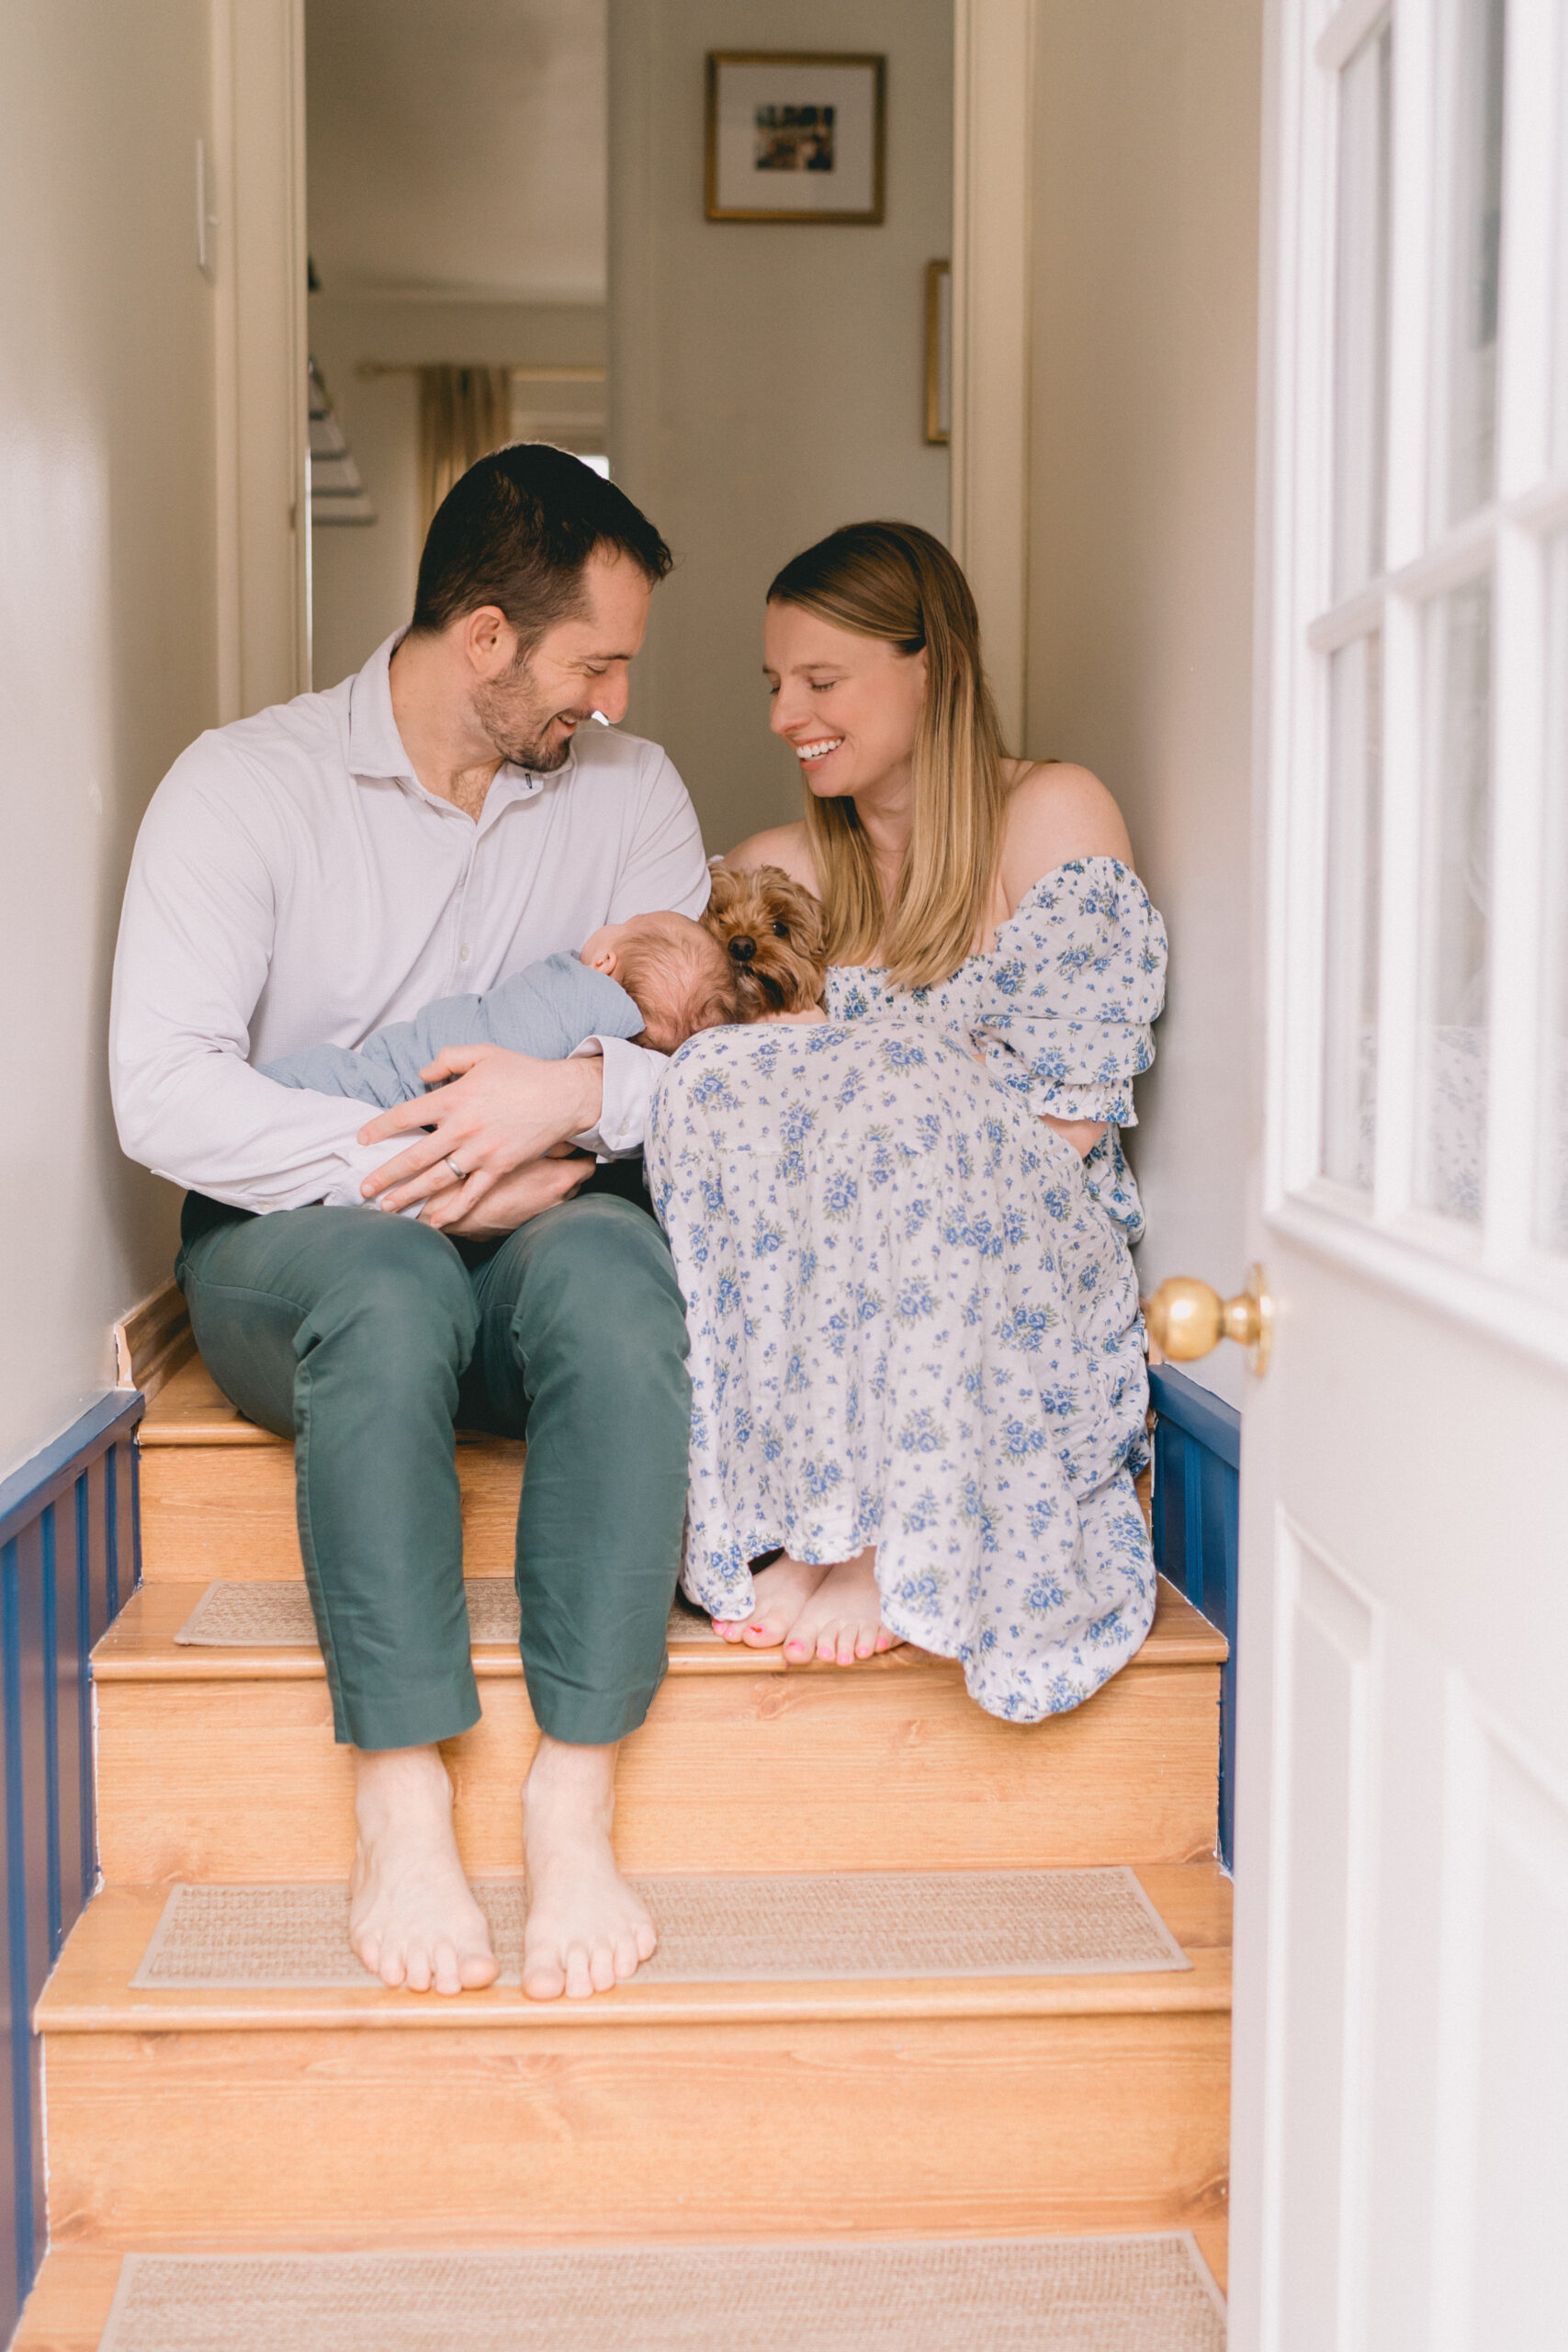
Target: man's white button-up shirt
294,883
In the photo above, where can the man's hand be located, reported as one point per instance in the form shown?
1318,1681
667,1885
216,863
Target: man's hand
501,1111
510,1200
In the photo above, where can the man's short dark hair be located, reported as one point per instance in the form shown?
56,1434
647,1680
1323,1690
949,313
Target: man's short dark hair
516,530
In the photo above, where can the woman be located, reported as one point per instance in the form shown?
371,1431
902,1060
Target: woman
902,1234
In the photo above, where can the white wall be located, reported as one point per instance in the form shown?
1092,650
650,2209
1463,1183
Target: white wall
364,573
766,382
1142,500
107,652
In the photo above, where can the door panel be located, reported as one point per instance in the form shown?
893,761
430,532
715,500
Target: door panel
1401,2147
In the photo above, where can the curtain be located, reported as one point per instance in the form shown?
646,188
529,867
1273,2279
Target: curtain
464,413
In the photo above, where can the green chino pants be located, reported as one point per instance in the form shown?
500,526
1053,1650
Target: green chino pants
366,1337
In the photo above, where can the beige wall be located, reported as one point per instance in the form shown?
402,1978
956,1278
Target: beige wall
1140,647
766,381
108,655
364,573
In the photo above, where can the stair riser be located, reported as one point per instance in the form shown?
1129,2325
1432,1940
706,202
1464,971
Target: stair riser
458,2137
236,1780
229,1511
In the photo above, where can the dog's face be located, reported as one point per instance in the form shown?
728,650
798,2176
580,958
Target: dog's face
772,930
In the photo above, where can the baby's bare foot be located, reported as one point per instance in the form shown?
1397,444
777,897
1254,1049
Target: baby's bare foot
586,1930
841,1621
411,1918
782,1591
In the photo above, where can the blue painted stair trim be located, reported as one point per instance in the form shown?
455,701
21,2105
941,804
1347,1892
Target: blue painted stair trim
1197,1508
68,1555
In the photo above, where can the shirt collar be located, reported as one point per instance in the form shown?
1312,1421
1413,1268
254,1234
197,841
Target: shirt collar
376,748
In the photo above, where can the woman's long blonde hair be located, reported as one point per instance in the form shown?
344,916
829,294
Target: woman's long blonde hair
894,581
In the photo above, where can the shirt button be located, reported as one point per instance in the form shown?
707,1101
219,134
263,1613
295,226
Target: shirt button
463,955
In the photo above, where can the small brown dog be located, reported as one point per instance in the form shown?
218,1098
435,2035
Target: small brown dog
770,929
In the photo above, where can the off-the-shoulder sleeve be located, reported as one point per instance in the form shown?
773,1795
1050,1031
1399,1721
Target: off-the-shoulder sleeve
1072,991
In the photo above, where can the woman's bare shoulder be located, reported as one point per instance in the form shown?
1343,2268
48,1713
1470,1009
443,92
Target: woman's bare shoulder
784,845
1056,812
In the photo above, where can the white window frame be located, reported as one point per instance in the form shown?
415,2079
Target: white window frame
1494,1276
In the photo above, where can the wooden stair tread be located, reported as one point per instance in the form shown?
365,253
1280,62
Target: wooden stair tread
139,1646
191,1409
69,2306
90,1991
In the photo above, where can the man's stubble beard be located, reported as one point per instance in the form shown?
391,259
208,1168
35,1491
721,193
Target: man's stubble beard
517,721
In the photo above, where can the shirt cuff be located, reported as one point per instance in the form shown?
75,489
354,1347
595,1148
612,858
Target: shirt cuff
631,1073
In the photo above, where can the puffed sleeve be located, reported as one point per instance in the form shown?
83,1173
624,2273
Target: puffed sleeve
1072,991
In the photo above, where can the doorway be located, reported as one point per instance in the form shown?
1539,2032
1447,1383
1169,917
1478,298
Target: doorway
456,211
509,238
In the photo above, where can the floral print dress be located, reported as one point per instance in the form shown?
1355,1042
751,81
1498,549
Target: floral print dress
913,1316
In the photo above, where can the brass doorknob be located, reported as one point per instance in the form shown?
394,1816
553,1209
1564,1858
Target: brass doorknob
1185,1318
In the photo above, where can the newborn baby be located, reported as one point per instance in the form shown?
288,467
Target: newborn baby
656,980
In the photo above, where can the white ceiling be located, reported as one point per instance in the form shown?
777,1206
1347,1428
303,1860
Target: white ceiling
457,148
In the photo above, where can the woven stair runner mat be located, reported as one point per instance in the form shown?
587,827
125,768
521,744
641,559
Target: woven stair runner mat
717,1931
1110,2294
276,1614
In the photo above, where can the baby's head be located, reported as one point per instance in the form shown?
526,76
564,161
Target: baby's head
676,973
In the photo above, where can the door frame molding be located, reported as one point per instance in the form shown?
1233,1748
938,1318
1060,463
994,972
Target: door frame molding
993,106
260,344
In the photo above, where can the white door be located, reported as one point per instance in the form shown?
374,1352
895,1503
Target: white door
1401,2153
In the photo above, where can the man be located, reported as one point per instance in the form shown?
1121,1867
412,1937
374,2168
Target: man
330,864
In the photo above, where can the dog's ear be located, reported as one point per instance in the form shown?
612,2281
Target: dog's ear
726,889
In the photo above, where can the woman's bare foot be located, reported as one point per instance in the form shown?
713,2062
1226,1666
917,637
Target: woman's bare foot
841,1621
782,1592
586,1930
411,1918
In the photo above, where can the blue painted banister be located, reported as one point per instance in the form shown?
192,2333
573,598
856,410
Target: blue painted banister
68,1557
1196,1520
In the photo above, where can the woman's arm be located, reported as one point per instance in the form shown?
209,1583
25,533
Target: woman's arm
1056,812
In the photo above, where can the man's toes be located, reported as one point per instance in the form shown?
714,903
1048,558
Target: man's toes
419,1974
368,1950
476,1969
390,1967
544,1977
626,1955
647,1940
443,1976
579,1975
602,1967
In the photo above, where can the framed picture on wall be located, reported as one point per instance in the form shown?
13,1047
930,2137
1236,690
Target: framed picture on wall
795,137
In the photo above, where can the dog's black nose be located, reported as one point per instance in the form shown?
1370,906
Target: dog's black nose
743,949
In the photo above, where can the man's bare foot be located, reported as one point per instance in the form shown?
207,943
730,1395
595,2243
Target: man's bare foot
586,1930
841,1621
411,1918
782,1592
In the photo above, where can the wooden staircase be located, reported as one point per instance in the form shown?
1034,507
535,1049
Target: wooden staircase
361,2118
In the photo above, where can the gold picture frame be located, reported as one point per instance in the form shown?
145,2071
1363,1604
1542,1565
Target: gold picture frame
779,123
939,352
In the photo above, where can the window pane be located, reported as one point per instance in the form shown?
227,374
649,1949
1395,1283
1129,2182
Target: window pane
1361,391
1552,1221
1471,166
1456,895
1350,942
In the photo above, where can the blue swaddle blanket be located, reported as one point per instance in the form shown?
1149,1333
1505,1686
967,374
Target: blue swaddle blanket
547,1009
